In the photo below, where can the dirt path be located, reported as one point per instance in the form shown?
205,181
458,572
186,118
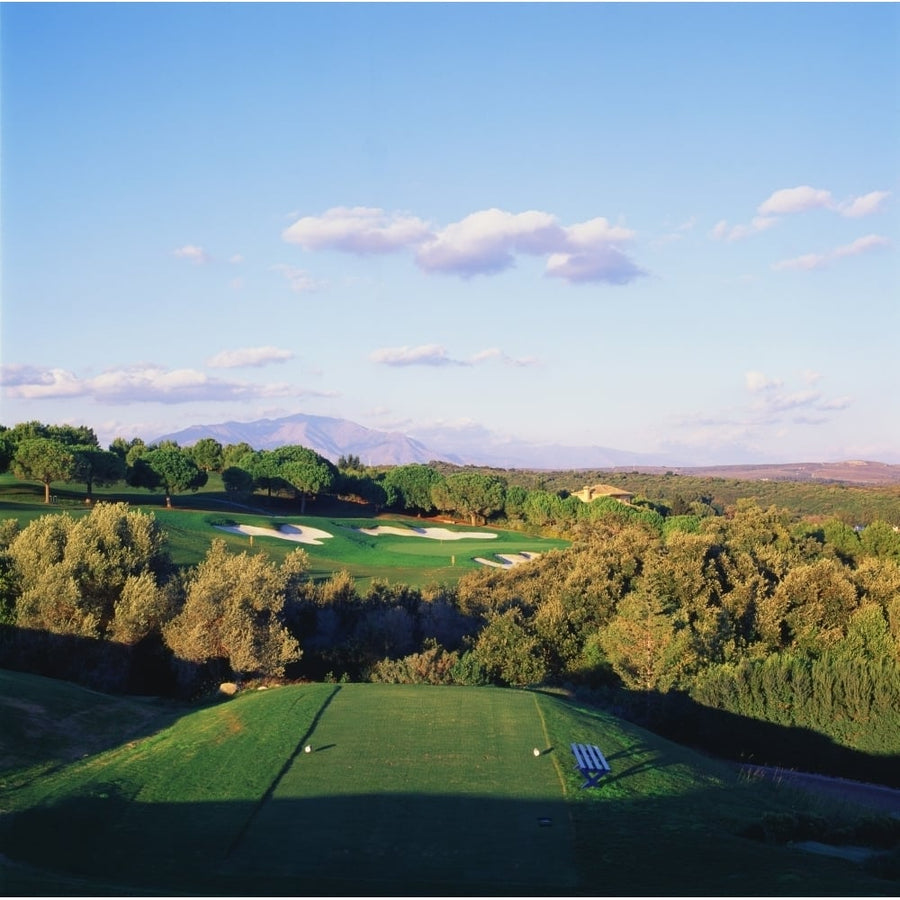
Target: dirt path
873,796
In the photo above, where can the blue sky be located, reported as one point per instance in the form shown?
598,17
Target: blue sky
666,228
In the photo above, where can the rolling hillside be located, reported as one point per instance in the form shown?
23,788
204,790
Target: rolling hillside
404,790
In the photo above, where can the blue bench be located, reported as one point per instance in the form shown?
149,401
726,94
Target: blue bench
591,763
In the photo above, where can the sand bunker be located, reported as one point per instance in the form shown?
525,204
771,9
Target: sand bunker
295,533
436,534
507,560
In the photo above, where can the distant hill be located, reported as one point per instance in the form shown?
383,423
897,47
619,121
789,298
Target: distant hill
329,437
477,446
854,471
333,438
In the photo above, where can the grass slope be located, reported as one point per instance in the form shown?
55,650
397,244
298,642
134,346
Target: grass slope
409,790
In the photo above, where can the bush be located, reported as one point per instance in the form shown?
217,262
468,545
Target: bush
434,665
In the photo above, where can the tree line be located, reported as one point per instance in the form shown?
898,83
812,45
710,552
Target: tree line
33,451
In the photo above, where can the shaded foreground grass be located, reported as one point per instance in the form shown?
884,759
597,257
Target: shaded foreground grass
407,790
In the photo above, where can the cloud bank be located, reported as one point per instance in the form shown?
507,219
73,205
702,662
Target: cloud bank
790,201
483,243
770,404
436,355
809,261
248,356
146,383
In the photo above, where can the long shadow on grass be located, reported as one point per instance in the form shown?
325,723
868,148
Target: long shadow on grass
289,762
413,844
747,740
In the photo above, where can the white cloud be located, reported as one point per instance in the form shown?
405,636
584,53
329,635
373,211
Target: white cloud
500,356
487,241
142,383
806,262
484,242
864,206
771,397
359,229
788,201
861,245
36,382
248,356
607,264
193,253
820,260
723,232
424,355
678,233
793,200
757,381
765,415
300,281
436,355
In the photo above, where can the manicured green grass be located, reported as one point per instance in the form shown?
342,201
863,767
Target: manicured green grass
407,790
190,526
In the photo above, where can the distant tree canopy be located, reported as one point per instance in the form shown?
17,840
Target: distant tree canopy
169,468
409,487
305,471
45,460
477,497
208,454
97,467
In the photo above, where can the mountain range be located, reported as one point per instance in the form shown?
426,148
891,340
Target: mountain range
477,446
474,445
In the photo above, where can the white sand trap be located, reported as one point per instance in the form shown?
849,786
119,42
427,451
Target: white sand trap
295,533
436,534
507,560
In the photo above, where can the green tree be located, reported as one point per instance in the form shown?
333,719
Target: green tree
470,494
642,644
842,539
818,599
73,574
68,435
514,504
97,467
233,453
233,615
305,471
170,468
44,460
7,448
208,454
881,540
238,482
263,465
350,463
508,650
409,487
